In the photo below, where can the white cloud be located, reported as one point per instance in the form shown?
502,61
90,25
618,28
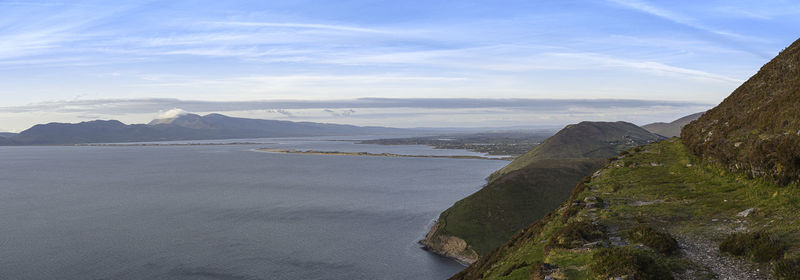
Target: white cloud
172,113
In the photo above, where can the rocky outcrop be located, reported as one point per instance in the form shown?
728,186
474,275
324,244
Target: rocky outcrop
449,246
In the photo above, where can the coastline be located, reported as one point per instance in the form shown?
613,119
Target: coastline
367,154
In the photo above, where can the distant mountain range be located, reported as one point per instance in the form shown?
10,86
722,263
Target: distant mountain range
185,127
671,129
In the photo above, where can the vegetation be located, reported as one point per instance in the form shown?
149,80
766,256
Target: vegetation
628,262
487,218
757,246
733,180
659,241
788,269
661,186
598,140
575,235
757,128
509,202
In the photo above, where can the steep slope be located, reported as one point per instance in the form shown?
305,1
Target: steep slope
757,128
622,221
697,208
671,129
539,181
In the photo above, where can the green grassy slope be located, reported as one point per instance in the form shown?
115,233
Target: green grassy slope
537,182
664,188
757,128
583,140
487,218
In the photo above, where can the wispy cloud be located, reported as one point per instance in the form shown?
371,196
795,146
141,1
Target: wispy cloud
650,66
648,8
132,106
295,26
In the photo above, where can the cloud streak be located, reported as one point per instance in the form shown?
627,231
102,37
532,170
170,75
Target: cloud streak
136,106
645,7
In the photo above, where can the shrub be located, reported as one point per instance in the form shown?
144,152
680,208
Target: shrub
628,262
788,269
514,267
575,235
658,240
571,211
542,270
757,246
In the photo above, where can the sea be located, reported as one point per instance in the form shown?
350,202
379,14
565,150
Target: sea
176,211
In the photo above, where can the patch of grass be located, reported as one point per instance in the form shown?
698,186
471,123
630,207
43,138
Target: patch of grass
541,270
787,269
757,246
627,262
515,267
659,241
575,234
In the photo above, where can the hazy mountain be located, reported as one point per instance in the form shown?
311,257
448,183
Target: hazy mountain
529,187
7,134
668,210
671,129
186,127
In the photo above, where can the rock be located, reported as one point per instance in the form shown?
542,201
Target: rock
548,277
591,205
746,212
596,244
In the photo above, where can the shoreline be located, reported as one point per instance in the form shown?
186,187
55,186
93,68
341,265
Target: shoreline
367,154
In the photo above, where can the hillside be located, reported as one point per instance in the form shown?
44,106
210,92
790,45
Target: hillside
719,204
757,128
583,140
540,180
671,129
622,222
186,127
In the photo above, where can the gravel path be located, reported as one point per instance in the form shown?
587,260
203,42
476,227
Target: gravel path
705,252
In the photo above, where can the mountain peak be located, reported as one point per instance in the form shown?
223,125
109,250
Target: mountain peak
184,120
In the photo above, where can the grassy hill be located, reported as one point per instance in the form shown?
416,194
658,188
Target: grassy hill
583,140
671,129
719,204
757,128
664,191
534,183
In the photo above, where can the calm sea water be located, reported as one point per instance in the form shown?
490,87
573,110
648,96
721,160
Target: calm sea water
226,212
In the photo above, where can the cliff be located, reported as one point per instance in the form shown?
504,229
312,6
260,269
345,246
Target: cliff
534,183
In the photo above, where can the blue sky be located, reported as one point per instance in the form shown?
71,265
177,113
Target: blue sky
58,56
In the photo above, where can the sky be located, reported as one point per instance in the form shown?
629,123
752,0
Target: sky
393,63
